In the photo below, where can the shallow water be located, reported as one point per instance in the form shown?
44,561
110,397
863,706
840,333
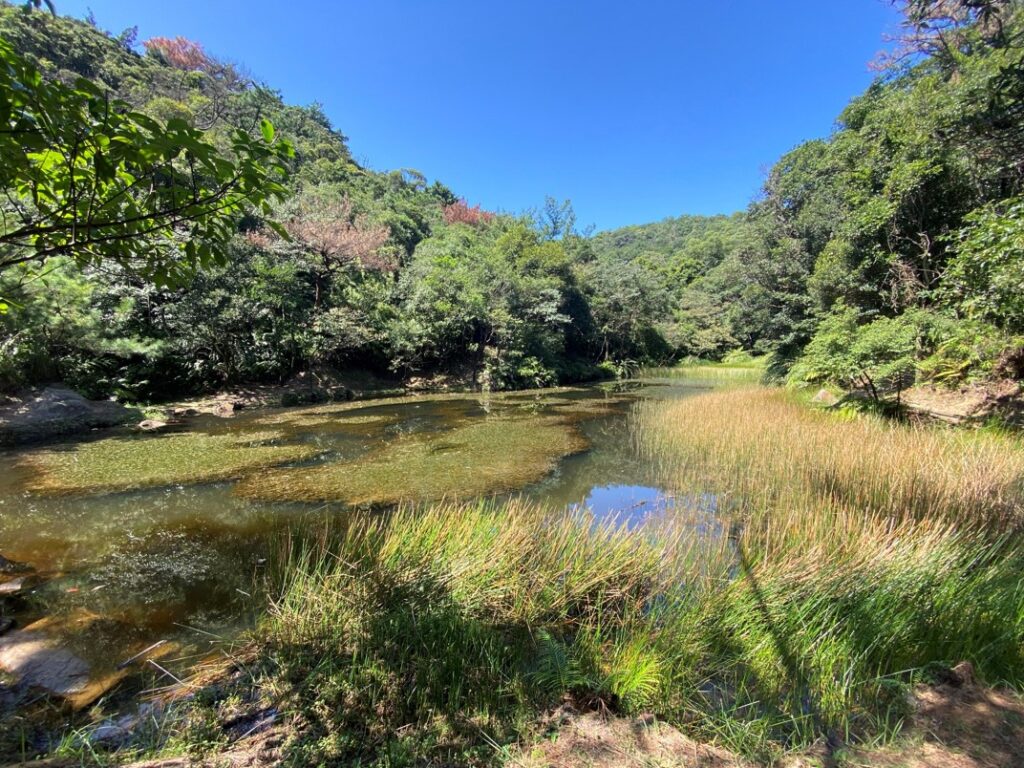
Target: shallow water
126,566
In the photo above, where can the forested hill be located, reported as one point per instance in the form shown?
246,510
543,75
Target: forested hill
354,269
890,251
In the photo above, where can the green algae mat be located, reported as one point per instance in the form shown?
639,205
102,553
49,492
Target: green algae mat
489,456
124,463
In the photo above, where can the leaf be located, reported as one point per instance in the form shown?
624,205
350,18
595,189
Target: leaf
267,129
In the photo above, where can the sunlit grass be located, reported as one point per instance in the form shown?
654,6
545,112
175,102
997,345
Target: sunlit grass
765,449
122,463
477,458
412,626
735,369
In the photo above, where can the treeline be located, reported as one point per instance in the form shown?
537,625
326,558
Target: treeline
888,253
354,268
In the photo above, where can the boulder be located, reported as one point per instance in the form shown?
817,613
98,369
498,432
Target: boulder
34,660
42,414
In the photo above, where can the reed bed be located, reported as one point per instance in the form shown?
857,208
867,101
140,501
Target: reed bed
855,558
764,449
750,374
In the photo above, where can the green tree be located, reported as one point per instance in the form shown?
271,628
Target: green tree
86,177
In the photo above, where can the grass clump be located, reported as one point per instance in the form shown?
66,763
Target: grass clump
492,455
123,463
437,632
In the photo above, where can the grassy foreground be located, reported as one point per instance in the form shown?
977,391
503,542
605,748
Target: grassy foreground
855,558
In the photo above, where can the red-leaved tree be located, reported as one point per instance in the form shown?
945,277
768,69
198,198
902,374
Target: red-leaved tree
179,52
460,212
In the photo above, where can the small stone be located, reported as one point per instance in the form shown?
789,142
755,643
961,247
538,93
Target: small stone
151,425
824,397
226,408
963,673
16,586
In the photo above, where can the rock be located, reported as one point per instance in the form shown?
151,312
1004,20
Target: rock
225,408
10,566
17,585
56,410
151,425
183,412
34,660
6,625
824,397
963,673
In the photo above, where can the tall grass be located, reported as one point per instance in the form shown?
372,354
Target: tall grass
867,551
457,620
860,555
768,450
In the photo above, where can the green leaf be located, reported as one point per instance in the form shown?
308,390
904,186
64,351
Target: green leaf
267,129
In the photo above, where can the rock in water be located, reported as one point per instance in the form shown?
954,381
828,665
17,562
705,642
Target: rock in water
151,425
34,660
10,566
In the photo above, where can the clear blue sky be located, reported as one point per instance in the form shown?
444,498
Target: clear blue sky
634,110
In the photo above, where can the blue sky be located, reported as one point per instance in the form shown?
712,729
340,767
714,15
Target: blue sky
634,110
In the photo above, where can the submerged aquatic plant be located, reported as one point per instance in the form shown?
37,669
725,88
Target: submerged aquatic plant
122,463
488,456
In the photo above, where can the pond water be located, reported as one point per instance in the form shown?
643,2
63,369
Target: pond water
140,538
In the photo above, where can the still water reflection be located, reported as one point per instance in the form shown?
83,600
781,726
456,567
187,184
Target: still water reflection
121,569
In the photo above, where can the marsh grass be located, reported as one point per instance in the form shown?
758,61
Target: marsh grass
433,626
766,450
495,454
122,463
866,551
737,369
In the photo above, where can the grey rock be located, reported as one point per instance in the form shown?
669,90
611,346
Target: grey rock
56,410
15,586
35,661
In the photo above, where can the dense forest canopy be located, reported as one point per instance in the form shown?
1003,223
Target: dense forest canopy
888,252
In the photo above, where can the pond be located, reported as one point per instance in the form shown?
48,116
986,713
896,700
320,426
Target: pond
142,538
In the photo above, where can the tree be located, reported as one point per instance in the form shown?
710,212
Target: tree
86,177
878,357
986,277
334,238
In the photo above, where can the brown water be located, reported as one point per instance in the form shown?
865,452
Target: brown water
178,562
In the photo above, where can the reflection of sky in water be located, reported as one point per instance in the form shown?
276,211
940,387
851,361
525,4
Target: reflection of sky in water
634,505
